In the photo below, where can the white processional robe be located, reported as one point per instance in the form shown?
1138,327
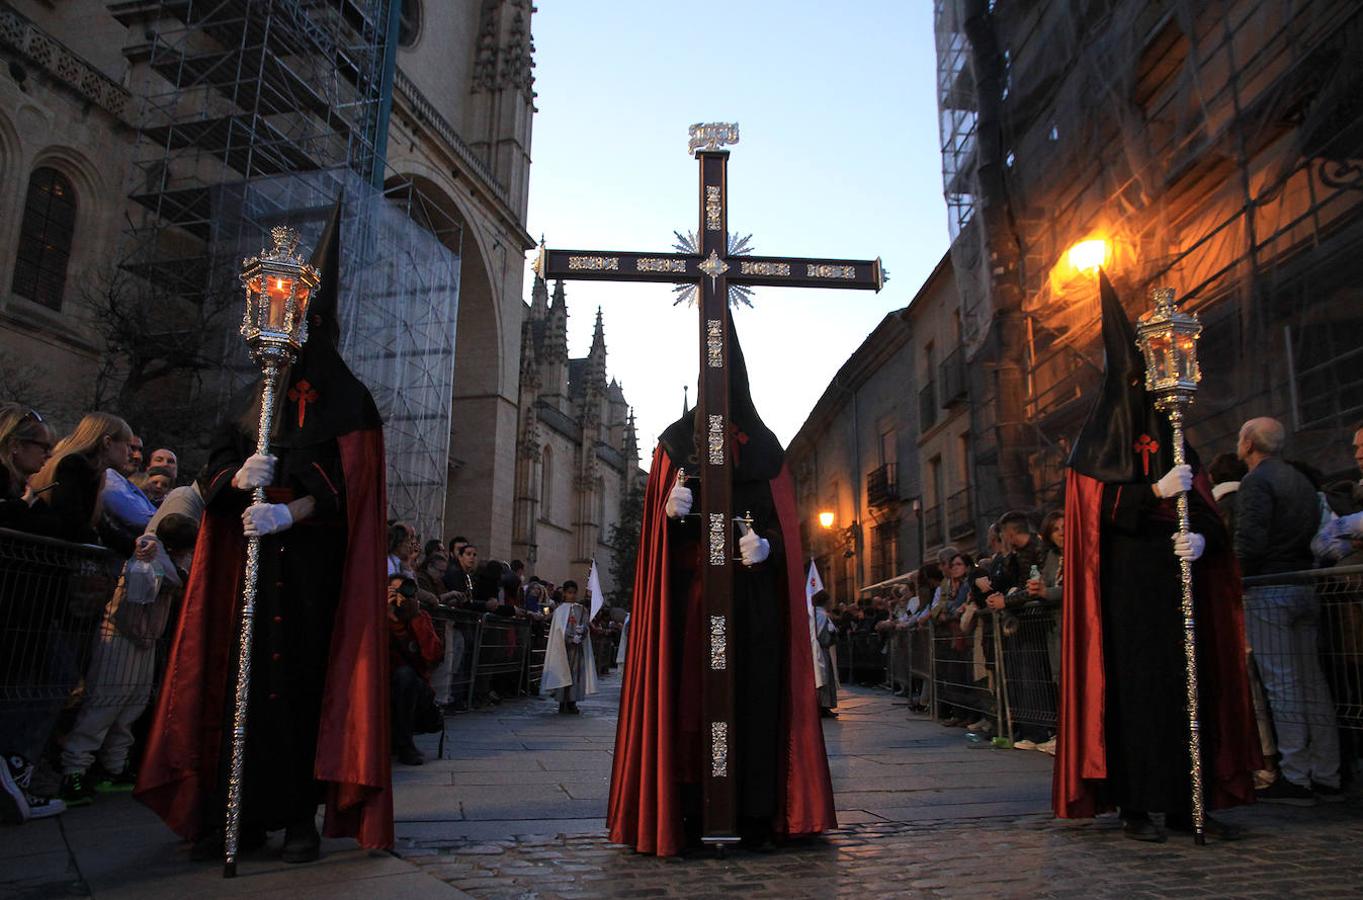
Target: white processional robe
557,672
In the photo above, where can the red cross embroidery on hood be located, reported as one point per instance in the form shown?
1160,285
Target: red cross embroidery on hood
1147,447
303,394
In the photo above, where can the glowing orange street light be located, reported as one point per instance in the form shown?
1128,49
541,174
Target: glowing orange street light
1088,256
826,519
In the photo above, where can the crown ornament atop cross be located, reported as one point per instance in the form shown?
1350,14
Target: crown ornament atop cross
712,136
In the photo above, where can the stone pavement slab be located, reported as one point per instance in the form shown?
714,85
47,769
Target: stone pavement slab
517,810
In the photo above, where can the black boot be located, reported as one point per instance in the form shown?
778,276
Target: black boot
1138,826
302,843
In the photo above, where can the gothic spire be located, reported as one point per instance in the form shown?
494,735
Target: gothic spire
539,299
596,357
556,337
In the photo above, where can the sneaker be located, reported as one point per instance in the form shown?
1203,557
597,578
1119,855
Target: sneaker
77,789
1024,744
1326,793
45,807
106,782
14,808
1047,746
17,804
1285,792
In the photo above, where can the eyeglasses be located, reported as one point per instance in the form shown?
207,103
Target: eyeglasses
46,447
33,414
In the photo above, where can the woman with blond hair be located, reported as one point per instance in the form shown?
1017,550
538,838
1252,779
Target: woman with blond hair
25,447
71,482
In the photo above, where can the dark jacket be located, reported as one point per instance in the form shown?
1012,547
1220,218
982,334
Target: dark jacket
72,499
15,512
1277,513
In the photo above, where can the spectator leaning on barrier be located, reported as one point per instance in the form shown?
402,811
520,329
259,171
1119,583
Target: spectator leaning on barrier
164,458
415,650
127,510
25,447
1340,541
1226,471
72,483
157,482
402,547
455,575
118,682
1277,516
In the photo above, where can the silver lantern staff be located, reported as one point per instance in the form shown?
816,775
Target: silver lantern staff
1167,337
279,287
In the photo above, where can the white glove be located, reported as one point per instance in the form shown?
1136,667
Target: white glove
753,548
1176,481
260,519
257,471
679,502
1189,546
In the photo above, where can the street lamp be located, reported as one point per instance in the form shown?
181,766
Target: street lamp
826,520
1167,337
279,287
1088,256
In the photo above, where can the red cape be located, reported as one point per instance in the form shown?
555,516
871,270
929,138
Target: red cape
181,764
645,807
1228,725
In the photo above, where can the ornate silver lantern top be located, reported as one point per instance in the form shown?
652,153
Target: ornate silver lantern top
279,287
1167,338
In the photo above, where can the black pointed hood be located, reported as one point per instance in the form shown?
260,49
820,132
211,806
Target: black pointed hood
1125,438
323,399
757,454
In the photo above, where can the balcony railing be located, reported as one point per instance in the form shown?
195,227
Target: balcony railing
955,387
960,516
932,526
882,486
427,113
927,406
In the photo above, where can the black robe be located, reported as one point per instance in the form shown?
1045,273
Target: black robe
1147,726
757,637
296,603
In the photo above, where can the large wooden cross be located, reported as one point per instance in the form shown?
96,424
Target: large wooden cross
712,269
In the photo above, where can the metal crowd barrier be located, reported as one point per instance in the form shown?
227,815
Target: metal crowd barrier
53,596
1304,630
860,659
1305,634
965,682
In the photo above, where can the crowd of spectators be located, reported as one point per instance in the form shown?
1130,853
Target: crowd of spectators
84,638
1306,658
79,670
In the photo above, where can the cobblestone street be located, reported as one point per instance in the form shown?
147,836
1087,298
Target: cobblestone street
518,813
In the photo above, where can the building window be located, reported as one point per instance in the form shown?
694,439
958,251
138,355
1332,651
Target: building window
884,551
45,238
546,484
409,22
601,507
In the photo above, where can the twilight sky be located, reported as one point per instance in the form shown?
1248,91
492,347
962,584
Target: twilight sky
838,157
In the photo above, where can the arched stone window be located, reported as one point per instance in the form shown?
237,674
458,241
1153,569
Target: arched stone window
45,238
547,484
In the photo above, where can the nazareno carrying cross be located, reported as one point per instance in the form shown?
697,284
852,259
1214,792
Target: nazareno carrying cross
714,268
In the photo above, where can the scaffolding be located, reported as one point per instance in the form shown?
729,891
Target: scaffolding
1217,149
253,113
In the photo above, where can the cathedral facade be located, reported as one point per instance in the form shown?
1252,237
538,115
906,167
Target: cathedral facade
577,457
